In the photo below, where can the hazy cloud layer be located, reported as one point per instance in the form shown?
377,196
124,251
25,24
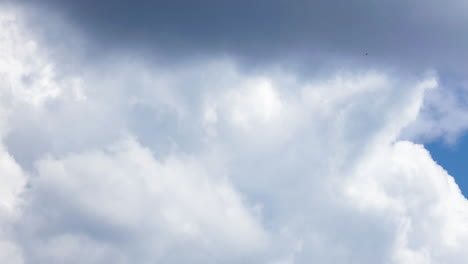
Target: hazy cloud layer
127,160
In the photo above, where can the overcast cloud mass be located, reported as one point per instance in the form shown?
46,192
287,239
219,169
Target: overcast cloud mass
276,132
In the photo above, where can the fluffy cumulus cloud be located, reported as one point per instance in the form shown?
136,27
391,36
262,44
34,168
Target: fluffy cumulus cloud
128,160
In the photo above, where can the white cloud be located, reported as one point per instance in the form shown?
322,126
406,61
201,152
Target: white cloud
122,195
26,74
402,183
443,115
137,163
255,103
12,180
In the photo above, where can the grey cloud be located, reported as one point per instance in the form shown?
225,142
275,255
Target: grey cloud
406,34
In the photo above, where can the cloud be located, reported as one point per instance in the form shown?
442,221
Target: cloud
12,176
308,37
401,35
416,195
130,161
444,115
13,183
123,199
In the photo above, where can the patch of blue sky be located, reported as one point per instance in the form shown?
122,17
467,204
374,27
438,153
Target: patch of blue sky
453,158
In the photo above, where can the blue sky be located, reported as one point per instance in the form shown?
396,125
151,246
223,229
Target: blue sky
217,131
453,158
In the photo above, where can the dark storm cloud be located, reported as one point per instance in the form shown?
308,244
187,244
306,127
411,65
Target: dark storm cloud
411,33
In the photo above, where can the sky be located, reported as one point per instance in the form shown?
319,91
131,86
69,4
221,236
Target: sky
452,159
276,132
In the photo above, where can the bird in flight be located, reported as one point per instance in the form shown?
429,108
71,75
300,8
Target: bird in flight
367,53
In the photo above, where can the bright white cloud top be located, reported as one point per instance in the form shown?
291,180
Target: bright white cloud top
126,162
